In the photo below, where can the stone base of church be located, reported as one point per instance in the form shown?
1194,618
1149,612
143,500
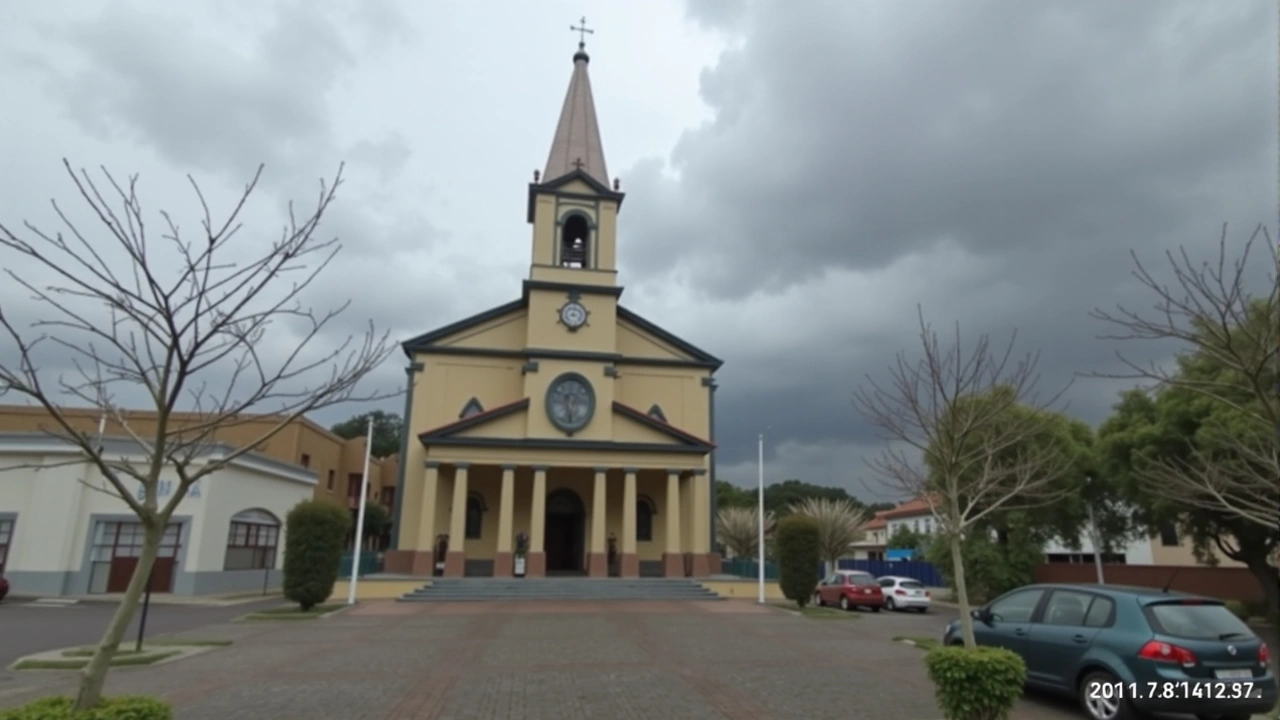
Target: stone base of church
409,562
629,566
673,564
503,565
535,564
698,565
714,564
597,565
455,564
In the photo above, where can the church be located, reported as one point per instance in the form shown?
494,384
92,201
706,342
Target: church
559,433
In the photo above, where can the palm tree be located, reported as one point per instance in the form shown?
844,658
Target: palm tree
840,524
739,529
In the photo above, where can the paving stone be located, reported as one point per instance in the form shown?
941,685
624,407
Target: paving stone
573,661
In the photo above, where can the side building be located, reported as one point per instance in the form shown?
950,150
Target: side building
63,531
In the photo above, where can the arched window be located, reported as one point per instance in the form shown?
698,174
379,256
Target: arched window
475,516
645,510
252,541
575,237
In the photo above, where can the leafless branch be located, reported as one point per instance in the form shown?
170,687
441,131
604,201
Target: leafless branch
1238,478
955,441
1210,311
183,320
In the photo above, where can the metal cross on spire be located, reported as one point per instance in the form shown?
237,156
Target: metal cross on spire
582,31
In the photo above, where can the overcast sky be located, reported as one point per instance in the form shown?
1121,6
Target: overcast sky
798,175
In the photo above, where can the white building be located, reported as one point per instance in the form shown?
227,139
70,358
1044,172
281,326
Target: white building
62,533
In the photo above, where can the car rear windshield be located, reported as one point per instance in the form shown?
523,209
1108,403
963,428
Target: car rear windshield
911,585
862,580
1208,621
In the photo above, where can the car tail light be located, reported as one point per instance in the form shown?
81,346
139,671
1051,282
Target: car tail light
1264,655
1164,652
899,591
927,594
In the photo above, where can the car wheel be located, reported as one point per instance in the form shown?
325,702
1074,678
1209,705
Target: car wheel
922,610
817,599
889,604
875,608
844,604
1097,705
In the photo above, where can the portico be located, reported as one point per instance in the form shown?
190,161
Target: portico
596,521
561,417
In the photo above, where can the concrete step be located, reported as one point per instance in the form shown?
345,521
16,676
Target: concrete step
507,589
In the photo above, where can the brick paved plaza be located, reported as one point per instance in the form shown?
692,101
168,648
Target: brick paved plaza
562,660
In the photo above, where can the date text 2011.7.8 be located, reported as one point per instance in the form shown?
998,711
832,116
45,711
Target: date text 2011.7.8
1173,690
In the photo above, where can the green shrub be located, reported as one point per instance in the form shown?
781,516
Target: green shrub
124,707
798,557
315,536
1238,609
978,684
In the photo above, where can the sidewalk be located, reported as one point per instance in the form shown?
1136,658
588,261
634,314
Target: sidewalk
221,600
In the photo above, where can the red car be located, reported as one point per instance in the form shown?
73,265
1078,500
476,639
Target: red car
849,589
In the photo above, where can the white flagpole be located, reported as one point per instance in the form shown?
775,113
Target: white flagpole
364,495
760,519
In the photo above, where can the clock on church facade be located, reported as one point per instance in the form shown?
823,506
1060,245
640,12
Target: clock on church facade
561,417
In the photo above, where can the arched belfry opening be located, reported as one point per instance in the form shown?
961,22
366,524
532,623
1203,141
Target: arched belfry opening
575,237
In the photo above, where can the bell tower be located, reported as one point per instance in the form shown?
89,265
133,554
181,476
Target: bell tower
573,204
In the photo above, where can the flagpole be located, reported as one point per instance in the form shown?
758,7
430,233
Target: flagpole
364,495
760,523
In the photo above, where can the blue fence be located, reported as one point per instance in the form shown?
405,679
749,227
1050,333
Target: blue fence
925,572
370,562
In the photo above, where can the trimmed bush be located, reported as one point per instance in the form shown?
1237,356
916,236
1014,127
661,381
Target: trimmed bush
978,684
315,536
798,557
125,707
1238,609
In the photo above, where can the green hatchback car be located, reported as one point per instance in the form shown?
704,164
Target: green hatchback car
1125,652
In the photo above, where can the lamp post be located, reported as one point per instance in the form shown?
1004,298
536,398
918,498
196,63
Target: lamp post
760,522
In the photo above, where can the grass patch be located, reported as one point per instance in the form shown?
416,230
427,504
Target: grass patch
924,643
180,642
292,612
78,663
819,613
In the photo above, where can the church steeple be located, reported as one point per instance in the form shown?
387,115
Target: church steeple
576,145
573,206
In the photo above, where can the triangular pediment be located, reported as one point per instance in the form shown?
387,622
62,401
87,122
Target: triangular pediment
640,338
632,425
500,328
504,421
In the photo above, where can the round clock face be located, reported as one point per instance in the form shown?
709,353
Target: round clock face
573,315
570,402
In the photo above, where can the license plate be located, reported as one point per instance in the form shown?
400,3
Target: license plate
916,593
1234,673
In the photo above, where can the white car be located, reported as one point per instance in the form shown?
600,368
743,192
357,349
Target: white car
904,593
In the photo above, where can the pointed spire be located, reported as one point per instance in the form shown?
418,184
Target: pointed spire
576,144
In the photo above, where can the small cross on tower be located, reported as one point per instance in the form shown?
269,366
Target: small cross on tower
577,163
582,31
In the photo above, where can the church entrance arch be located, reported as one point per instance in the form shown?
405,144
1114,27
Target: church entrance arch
565,540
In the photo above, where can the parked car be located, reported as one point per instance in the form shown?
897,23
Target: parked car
849,589
904,593
4,588
1124,651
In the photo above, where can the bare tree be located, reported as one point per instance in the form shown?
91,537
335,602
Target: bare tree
960,425
840,524
1229,338
739,529
183,321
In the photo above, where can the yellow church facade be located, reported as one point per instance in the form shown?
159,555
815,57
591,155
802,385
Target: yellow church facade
560,433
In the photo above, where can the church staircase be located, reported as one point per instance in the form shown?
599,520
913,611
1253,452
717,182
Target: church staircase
564,588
